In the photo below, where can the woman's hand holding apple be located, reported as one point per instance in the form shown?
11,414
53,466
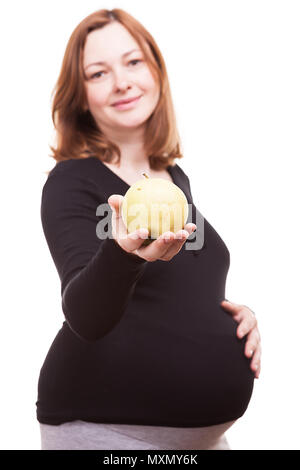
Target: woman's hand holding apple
164,248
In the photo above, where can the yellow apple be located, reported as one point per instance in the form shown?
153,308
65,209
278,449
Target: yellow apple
156,204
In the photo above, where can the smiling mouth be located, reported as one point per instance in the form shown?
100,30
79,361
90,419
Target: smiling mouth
128,105
126,101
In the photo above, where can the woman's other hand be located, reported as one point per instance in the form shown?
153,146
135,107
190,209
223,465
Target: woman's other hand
247,326
164,248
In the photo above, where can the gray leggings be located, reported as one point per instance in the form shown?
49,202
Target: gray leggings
83,435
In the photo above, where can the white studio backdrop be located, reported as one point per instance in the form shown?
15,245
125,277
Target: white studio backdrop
234,72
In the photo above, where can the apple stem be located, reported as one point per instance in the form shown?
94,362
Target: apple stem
146,176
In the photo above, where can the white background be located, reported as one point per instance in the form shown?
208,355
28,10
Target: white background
234,73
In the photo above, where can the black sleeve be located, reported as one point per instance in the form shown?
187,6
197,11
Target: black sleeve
97,276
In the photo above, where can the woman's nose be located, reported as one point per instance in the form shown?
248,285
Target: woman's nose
121,81
122,85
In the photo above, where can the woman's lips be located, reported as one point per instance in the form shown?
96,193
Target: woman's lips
129,105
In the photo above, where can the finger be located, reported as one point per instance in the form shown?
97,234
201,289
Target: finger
252,343
135,239
178,240
175,244
246,325
257,371
256,362
128,241
166,246
232,308
236,316
156,249
190,227
115,201
159,249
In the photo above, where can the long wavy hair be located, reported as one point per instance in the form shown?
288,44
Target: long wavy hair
76,133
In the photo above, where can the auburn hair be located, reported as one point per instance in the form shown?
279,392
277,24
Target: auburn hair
76,132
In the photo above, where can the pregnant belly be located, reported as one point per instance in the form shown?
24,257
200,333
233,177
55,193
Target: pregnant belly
198,379
207,381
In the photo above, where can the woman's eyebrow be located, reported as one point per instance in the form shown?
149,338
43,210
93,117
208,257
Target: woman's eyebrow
104,63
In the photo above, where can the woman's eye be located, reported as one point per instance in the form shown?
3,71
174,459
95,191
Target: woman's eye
97,74
135,60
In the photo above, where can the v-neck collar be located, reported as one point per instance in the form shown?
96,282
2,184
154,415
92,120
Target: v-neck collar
169,170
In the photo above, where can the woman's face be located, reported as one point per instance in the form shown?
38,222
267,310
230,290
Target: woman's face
117,78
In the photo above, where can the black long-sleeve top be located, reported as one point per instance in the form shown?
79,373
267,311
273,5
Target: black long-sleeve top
141,342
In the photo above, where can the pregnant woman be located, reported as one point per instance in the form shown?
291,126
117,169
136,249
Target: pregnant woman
149,355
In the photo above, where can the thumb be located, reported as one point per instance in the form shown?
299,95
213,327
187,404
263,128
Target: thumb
234,308
115,202
227,304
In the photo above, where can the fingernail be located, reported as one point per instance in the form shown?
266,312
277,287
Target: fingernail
143,233
251,352
180,236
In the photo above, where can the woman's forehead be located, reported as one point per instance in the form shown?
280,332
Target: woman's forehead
109,43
